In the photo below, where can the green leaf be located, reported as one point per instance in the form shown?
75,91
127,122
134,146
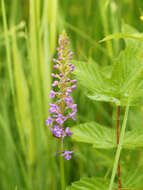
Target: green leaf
133,139
122,35
93,133
126,76
104,137
133,179
129,34
124,82
89,184
97,85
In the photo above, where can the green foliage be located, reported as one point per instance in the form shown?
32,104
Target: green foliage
124,81
133,179
104,137
28,38
90,184
93,133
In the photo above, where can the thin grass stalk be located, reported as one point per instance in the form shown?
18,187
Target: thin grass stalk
8,49
10,72
119,147
103,12
5,126
22,97
35,62
46,70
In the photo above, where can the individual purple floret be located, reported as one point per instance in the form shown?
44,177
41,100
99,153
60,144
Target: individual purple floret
74,81
68,132
57,131
49,121
52,94
63,107
54,108
54,60
72,115
74,107
67,154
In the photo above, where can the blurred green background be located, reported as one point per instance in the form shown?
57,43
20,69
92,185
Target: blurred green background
28,37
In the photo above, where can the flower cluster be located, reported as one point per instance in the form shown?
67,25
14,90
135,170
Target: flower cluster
63,107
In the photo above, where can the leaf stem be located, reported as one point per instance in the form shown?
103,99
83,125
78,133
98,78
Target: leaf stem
62,168
117,156
118,135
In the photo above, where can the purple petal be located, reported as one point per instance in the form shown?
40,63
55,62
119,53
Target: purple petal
68,132
74,87
54,60
52,94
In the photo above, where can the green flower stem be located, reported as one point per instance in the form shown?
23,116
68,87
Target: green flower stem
117,156
62,169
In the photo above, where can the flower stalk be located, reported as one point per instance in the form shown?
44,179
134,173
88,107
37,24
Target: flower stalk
63,107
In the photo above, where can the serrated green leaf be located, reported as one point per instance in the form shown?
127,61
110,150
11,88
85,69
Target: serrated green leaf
104,137
126,76
133,138
129,30
93,133
122,35
90,184
133,179
126,81
97,85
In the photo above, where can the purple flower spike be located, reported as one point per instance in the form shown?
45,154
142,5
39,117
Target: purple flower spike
63,107
52,94
67,154
68,132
